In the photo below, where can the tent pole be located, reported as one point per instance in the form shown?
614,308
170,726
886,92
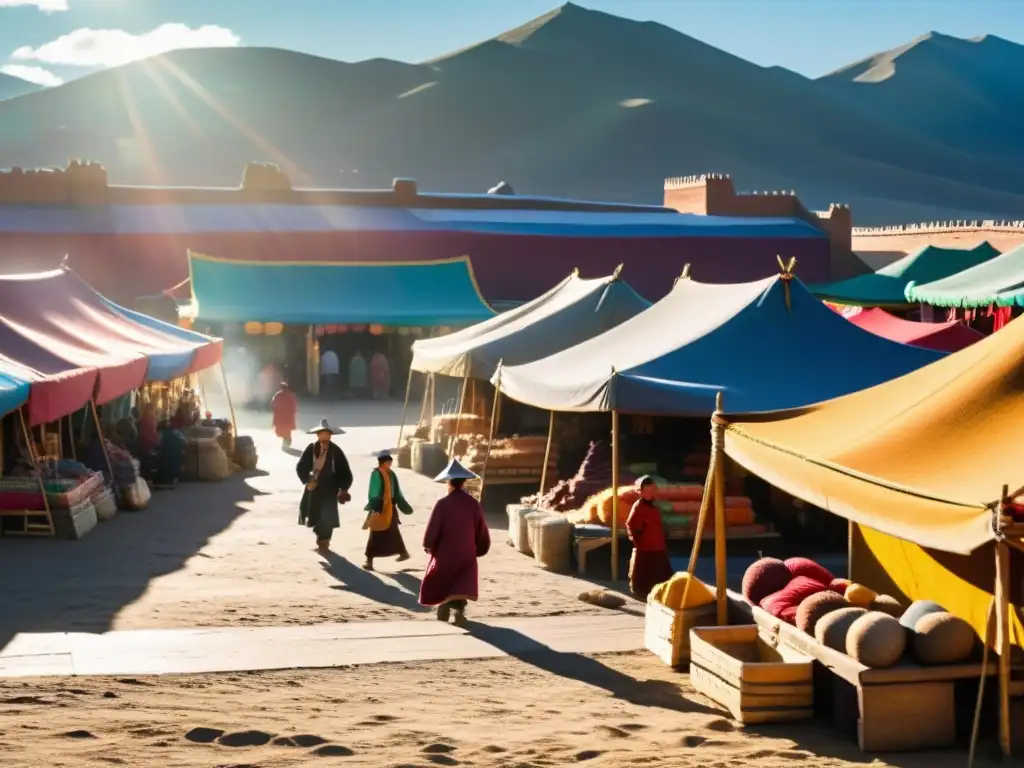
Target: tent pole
103,439
547,456
981,683
702,519
231,405
458,416
849,550
71,438
39,473
615,494
1002,598
721,563
433,403
490,434
405,409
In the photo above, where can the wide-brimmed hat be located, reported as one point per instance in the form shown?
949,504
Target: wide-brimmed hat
455,471
323,426
385,455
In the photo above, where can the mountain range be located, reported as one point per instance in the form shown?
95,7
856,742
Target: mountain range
575,103
11,86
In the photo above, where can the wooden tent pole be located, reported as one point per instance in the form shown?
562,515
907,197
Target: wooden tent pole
490,433
702,518
231,405
39,472
405,409
458,416
721,562
433,399
989,624
103,440
615,494
547,454
1002,599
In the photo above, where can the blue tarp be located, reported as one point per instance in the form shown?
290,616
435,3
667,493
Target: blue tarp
165,365
192,219
742,340
404,294
13,392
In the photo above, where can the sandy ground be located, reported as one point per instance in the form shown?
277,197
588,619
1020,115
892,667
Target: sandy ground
609,711
232,554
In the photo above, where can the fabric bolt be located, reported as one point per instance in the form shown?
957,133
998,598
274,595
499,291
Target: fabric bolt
573,311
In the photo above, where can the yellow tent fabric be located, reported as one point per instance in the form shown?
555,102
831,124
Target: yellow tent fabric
922,457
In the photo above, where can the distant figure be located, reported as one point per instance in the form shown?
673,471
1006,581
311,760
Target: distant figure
649,563
325,472
149,436
385,499
456,536
357,374
380,376
330,372
285,408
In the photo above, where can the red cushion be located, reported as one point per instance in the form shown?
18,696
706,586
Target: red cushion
784,603
840,585
801,566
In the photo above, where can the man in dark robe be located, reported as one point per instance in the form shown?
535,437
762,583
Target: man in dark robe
385,501
649,563
456,536
325,472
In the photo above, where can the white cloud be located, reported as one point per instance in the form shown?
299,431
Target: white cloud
46,6
111,47
36,75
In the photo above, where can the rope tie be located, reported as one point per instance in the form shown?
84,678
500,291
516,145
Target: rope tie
786,276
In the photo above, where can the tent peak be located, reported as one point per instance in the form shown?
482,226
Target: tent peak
575,271
684,275
786,268
618,271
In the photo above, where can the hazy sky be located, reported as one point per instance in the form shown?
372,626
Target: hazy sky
51,40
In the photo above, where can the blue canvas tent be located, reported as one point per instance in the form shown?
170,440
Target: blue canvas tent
573,311
434,293
13,392
765,345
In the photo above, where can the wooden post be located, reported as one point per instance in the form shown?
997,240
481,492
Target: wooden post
547,454
405,409
849,549
39,473
981,683
490,433
102,438
432,411
231,405
721,563
702,518
1002,599
615,494
458,416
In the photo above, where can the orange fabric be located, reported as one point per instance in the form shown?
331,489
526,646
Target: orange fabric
921,457
381,521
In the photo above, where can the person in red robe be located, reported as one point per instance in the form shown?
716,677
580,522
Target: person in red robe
456,536
649,563
380,376
285,408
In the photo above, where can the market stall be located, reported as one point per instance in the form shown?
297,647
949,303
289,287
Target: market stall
944,525
766,344
573,311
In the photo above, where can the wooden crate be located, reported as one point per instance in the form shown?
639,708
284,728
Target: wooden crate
751,677
667,632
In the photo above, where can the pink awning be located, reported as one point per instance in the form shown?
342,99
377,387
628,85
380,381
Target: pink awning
945,337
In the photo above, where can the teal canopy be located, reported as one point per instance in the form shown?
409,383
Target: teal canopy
888,286
999,281
430,293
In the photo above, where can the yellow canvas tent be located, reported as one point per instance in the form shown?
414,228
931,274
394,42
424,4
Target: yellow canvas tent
919,466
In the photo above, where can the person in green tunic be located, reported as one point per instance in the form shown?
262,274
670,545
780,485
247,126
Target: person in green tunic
385,500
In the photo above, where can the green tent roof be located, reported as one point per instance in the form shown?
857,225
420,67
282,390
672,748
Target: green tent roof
999,281
887,287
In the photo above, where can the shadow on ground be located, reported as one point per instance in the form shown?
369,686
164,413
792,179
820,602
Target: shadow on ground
80,586
373,585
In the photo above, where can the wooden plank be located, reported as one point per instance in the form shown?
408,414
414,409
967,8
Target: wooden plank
750,709
801,678
910,717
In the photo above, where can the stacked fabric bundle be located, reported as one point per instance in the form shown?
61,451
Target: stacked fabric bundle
871,628
593,476
510,457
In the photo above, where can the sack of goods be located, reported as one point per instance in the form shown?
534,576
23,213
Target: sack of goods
135,497
105,504
514,456
246,456
593,476
443,427
206,460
